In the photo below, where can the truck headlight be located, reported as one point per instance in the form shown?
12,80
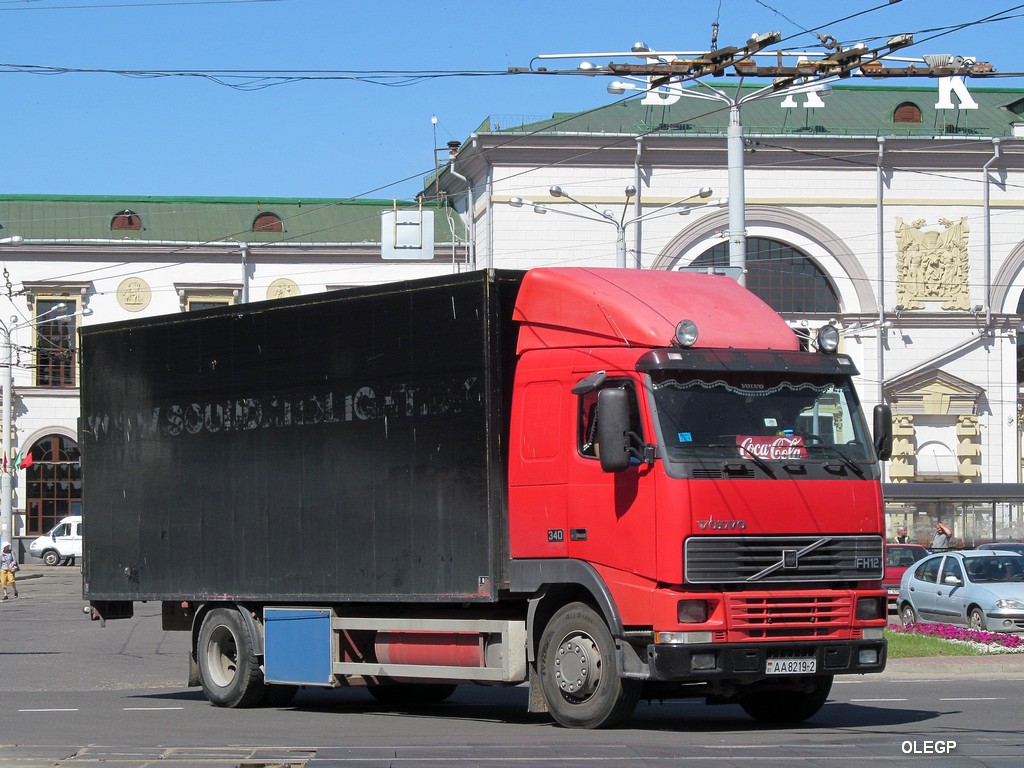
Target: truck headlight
870,608
828,339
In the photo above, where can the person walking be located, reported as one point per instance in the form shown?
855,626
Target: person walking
8,567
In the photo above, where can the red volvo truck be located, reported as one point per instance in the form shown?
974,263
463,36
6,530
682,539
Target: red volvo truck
608,484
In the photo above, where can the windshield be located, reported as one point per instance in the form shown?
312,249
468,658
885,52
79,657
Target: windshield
759,416
994,570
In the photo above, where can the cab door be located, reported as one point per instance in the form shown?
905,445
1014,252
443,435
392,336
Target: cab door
610,516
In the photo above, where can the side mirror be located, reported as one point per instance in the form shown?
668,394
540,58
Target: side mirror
612,429
883,432
953,581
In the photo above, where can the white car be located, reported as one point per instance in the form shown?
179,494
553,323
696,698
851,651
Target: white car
62,543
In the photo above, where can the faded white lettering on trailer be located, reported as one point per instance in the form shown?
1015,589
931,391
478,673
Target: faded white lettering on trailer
366,403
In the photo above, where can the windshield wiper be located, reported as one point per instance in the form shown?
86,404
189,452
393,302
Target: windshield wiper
846,460
758,460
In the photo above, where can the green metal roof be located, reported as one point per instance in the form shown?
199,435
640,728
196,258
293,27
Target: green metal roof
76,218
848,111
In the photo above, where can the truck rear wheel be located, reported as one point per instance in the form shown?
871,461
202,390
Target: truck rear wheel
228,669
577,670
775,706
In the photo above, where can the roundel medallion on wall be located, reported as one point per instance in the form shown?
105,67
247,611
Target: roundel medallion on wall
282,288
134,294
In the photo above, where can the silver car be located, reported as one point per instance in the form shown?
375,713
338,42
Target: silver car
982,589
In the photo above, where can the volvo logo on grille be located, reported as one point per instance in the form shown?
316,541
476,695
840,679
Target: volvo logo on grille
790,559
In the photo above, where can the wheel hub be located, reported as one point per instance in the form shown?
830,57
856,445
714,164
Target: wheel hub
578,667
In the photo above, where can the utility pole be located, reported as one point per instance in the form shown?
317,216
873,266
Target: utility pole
663,74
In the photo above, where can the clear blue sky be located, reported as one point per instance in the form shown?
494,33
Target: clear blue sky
110,134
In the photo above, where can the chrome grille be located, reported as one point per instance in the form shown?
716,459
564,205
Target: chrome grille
775,559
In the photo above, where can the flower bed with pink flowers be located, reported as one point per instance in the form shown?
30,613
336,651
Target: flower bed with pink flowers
986,642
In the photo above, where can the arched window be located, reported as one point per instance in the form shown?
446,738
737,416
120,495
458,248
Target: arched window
783,277
267,222
126,219
53,483
907,112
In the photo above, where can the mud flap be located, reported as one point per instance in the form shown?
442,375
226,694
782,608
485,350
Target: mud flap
537,701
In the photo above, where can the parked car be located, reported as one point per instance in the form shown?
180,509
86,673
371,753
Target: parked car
980,588
1008,546
899,557
62,544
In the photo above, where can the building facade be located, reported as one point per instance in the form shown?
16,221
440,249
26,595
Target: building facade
893,213
896,214
69,261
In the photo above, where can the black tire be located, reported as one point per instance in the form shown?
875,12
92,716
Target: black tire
578,675
228,669
411,694
774,706
51,557
908,616
976,619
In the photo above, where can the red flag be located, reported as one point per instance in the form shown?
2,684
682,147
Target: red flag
26,462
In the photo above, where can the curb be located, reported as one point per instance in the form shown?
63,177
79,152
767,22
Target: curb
1004,665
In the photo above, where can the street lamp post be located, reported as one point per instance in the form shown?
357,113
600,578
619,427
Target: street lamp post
7,387
734,150
6,528
620,223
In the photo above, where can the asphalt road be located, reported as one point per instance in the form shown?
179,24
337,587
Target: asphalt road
75,693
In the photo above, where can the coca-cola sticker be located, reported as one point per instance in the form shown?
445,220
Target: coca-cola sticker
773,448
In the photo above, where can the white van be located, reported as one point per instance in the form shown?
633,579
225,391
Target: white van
62,543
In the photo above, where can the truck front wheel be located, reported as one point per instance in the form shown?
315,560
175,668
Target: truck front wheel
577,670
51,557
775,706
228,669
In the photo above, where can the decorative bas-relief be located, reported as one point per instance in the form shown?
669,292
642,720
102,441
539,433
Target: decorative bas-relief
931,265
134,294
282,288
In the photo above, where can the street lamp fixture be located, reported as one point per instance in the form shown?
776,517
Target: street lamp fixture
621,222
6,388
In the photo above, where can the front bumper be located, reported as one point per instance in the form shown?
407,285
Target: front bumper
748,661
1004,620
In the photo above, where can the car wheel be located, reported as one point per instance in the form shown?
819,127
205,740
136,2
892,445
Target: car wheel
908,615
976,619
50,557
